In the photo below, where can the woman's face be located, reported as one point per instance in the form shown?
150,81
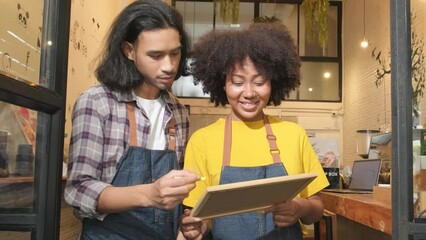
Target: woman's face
247,92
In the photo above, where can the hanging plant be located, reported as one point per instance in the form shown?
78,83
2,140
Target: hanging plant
229,10
316,20
266,19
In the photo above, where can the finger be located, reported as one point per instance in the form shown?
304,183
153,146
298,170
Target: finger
174,187
192,226
178,181
273,208
196,222
283,221
183,174
280,207
180,192
193,234
187,212
184,189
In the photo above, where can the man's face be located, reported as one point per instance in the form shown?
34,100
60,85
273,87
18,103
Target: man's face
156,55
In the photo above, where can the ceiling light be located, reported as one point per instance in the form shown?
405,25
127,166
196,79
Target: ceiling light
364,41
327,74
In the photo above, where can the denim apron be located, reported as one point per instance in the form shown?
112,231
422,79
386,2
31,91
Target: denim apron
251,225
139,166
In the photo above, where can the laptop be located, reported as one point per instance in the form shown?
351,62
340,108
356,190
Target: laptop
365,175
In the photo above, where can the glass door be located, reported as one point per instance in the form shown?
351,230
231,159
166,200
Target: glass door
408,135
33,52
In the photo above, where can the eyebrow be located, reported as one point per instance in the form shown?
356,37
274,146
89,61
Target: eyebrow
160,51
242,76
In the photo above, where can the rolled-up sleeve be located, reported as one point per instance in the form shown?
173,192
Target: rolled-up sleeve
85,160
99,139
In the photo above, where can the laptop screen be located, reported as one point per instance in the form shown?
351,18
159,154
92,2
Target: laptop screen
365,174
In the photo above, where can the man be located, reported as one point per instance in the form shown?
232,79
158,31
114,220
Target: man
129,132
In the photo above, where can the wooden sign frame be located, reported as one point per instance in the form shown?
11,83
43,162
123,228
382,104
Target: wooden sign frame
247,196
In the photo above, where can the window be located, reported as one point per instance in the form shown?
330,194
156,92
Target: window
321,68
33,48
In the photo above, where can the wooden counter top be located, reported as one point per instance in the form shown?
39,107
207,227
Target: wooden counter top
361,208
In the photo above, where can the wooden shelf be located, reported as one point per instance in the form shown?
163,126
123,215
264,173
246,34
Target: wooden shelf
20,179
17,179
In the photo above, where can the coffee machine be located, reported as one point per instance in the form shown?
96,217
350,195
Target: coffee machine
368,142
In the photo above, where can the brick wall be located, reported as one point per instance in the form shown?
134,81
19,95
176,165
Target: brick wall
364,103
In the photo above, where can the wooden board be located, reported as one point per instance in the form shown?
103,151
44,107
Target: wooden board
233,198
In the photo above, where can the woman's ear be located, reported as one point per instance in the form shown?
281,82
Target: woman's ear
127,49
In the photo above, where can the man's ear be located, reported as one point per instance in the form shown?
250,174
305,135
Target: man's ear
127,49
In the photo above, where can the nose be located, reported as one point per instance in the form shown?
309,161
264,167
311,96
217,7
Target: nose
168,64
249,91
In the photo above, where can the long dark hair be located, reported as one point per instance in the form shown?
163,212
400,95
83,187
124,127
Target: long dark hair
115,70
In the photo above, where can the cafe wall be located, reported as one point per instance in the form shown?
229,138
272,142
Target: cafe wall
365,105
89,23
20,43
419,28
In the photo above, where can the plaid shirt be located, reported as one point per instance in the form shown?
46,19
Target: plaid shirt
100,137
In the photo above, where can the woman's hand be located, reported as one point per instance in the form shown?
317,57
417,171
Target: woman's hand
285,213
308,210
193,228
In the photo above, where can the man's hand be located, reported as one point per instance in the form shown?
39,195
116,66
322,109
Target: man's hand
170,190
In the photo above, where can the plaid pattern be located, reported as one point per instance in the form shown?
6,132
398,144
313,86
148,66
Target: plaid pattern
100,137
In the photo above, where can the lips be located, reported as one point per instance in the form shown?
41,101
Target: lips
167,80
249,106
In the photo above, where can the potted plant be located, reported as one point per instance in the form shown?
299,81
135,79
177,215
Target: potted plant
423,143
266,19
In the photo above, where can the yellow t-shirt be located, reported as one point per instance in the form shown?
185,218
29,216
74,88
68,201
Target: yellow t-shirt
249,148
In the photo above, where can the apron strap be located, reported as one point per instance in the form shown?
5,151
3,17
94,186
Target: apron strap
132,129
227,141
273,149
172,134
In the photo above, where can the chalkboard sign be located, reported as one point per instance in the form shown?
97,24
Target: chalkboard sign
333,177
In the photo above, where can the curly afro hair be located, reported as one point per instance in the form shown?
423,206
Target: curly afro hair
268,45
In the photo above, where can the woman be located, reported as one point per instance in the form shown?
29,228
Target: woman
250,69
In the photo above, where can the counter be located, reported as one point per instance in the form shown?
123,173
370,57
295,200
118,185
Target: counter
358,210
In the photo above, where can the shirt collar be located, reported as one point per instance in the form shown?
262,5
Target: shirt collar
129,96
